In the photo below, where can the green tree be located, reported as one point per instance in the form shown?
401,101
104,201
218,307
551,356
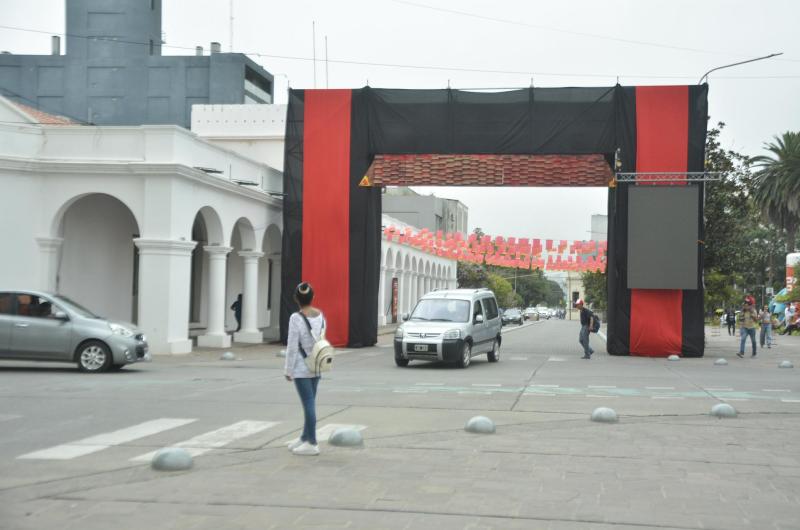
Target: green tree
471,275
595,287
503,290
777,184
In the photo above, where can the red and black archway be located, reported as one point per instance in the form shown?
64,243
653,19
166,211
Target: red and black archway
332,227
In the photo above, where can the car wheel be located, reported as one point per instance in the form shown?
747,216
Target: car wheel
494,355
400,361
94,356
466,355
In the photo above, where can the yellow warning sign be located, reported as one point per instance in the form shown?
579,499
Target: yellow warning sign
365,183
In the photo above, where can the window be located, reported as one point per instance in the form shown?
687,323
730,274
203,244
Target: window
6,303
491,308
441,310
29,305
477,309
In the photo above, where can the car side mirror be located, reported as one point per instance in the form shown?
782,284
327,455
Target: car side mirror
60,315
405,316
478,319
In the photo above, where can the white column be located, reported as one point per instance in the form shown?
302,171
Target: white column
406,288
48,262
250,332
215,336
381,296
387,303
420,285
414,290
164,285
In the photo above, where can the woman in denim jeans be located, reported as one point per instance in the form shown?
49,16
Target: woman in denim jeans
300,340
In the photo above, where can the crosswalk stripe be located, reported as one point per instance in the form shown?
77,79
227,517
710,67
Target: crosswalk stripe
7,417
99,442
205,442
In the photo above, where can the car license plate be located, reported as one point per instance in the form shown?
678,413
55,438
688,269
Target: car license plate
420,347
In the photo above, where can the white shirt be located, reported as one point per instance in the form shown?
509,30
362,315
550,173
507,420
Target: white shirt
295,365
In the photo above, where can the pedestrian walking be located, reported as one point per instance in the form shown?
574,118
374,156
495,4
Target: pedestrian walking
730,319
765,317
301,341
747,324
236,307
587,321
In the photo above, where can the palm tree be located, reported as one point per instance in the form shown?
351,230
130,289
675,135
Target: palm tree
777,184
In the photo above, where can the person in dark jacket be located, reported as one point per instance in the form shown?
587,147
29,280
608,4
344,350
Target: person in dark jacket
730,319
236,307
587,321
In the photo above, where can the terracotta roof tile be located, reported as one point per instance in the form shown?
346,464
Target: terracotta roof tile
490,170
42,117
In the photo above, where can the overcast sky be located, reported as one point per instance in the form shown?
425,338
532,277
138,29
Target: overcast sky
502,44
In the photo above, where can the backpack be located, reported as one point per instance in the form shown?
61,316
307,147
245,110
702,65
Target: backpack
321,358
596,325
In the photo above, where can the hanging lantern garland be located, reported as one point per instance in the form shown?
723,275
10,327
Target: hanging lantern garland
522,253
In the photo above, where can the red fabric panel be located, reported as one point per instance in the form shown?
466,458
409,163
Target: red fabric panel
662,144
326,206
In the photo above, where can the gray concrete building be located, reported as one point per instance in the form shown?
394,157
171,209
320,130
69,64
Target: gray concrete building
426,211
113,72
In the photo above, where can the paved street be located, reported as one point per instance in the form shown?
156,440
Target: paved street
74,448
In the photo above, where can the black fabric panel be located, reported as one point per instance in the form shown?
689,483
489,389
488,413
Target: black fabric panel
693,300
292,242
365,231
529,121
619,296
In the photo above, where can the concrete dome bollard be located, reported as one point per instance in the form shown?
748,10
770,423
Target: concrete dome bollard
480,425
228,356
723,410
346,437
172,459
673,357
721,362
786,364
604,415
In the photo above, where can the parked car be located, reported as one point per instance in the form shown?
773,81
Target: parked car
530,313
451,326
544,313
40,326
512,316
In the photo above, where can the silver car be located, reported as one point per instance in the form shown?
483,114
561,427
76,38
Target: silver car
40,326
451,326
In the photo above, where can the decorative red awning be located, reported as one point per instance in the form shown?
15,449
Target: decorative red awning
490,170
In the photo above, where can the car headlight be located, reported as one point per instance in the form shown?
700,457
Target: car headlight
452,334
120,330
398,333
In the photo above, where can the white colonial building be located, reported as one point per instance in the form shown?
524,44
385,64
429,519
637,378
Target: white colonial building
417,273
148,224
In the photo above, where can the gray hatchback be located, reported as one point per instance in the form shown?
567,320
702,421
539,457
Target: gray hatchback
40,326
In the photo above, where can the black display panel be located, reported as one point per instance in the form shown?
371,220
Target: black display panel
663,224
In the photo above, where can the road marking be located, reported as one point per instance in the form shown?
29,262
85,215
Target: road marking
205,442
790,400
537,394
429,384
410,391
545,386
602,335
734,399
660,387
7,417
666,397
517,358
97,443
345,390
720,389
486,384
775,390
601,386
556,359
603,397
478,392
